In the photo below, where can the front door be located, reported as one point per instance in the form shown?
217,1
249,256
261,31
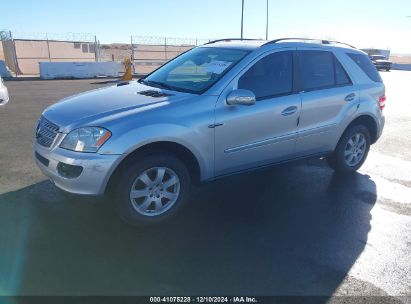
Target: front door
251,136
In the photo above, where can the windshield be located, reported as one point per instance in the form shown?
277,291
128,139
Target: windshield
196,70
377,57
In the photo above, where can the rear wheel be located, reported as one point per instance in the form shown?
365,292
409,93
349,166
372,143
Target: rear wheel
352,150
152,189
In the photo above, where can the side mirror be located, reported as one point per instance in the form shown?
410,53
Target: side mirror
241,97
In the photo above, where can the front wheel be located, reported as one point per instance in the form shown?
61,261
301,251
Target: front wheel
151,189
352,150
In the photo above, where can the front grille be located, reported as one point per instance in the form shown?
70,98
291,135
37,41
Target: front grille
46,132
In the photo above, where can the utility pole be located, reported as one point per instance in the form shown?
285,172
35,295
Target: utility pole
132,55
48,47
266,26
242,18
95,48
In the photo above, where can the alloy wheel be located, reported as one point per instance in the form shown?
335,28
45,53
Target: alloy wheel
155,191
355,149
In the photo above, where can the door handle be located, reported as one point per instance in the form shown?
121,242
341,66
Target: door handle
350,97
289,111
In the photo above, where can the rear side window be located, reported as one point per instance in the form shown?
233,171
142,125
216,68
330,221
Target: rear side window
270,76
341,77
366,65
317,69
321,70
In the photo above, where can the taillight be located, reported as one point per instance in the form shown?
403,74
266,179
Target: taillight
381,102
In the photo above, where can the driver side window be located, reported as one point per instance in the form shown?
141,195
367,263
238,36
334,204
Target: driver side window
270,76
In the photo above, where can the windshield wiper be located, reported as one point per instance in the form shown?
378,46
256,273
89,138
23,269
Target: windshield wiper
162,85
157,84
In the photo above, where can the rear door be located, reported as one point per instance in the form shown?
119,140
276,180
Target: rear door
328,95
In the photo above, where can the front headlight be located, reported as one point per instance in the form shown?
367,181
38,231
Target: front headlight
87,139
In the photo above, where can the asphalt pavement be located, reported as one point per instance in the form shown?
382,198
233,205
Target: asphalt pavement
296,229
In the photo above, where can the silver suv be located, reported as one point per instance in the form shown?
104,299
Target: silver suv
222,108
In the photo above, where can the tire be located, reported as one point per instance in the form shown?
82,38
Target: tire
387,70
153,202
341,160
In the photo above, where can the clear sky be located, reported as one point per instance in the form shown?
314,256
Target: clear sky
363,23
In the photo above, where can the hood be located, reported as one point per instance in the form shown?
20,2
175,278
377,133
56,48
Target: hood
84,108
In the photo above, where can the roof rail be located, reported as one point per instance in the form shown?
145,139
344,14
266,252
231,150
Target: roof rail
228,39
322,41
282,39
337,42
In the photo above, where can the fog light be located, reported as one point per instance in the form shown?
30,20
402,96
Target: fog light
69,171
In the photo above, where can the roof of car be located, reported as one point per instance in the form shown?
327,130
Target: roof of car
251,44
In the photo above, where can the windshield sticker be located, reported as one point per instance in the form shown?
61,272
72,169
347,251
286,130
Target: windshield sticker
216,67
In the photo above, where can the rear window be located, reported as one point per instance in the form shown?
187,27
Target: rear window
366,65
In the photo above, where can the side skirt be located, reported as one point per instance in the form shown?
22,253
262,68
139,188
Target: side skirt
270,165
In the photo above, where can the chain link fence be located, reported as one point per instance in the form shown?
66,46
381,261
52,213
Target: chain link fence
149,53
8,51
22,51
84,37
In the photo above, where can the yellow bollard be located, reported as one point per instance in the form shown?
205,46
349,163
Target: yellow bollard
128,74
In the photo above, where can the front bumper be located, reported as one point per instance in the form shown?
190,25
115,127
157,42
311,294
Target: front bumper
93,179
